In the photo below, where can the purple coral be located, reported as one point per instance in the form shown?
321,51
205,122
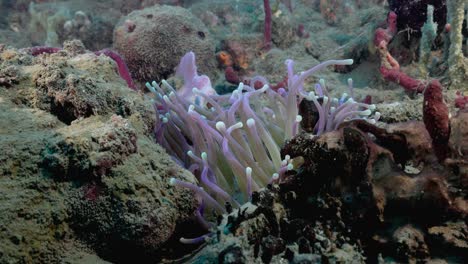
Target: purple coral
232,143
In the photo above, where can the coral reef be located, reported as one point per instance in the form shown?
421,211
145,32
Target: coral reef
250,163
357,193
51,24
80,171
272,229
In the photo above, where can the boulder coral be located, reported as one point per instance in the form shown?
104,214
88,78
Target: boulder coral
152,41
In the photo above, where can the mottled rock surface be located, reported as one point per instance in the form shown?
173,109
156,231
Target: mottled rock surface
80,175
350,200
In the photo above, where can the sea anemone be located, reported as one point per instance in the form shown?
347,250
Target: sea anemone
232,142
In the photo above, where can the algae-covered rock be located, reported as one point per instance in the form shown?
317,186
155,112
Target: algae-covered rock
80,174
72,84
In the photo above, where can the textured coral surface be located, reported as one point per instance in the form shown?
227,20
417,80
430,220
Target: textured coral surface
84,180
79,168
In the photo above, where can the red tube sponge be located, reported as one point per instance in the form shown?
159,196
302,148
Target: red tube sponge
401,78
121,66
267,29
436,118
